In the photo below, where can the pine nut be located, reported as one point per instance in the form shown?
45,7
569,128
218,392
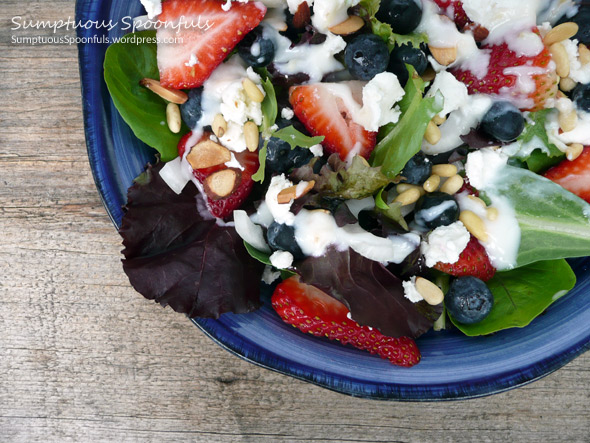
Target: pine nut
452,185
445,56
477,200
584,54
169,94
252,91
348,26
432,183
560,33
431,293
252,136
438,120
566,84
173,117
408,197
573,151
444,170
492,213
219,125
562,61
432,134
403,187
474,225
568,120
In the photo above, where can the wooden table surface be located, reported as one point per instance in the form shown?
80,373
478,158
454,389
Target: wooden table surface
85,358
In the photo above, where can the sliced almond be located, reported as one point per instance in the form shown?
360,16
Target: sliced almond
206,154
169,94
222,183
348,26
293,192
560,33
445,56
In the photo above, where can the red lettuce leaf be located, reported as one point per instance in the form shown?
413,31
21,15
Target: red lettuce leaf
374,296
181,258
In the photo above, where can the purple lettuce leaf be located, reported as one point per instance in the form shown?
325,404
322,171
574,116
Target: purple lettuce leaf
374,296
179,257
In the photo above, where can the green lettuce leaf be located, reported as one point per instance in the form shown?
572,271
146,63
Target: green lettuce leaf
268,106
125,65
399,142
554,223
368,10
296,139
533,145
522,294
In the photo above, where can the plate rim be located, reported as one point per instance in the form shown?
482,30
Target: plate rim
362,389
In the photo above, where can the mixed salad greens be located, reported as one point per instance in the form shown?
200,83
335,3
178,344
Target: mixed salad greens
371,196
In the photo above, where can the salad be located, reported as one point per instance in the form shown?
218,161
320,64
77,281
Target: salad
377,168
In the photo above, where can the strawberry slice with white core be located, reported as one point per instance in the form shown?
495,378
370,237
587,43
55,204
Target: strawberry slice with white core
198,35
323,112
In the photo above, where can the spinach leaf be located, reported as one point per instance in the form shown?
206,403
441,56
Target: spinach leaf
268,106
399,142
125,65
522,294
554,223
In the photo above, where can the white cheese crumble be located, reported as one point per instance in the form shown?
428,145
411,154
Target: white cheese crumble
483,165
578,72
269,276
287,113
317,150
281,259
410,291
328,13
281,212
445,243
453,91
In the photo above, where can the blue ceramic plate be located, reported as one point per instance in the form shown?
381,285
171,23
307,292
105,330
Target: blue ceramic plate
453,366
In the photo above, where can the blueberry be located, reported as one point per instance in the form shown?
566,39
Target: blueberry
417,169
366,56
581,97
436,209
406,54
256,50
469,300
191,110
279,155
281,237
403,15
503,122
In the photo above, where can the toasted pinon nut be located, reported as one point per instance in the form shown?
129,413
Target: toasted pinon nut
445,56
408,197
452,185
431,184
173,117
477,200
252,136
568,120
474,225
219,125
431,293
169,94
561,59
403,187
560,33
438,120
492,213
432,134
222,183
573,151
252,91
566,84
584,54
348,26
206,154
296,191
444,170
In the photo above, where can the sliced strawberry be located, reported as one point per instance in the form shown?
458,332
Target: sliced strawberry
324,113
528,82
311,310
573,175
223,207
473,261
205,34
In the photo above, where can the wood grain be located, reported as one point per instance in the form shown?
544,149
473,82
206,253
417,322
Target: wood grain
84,358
